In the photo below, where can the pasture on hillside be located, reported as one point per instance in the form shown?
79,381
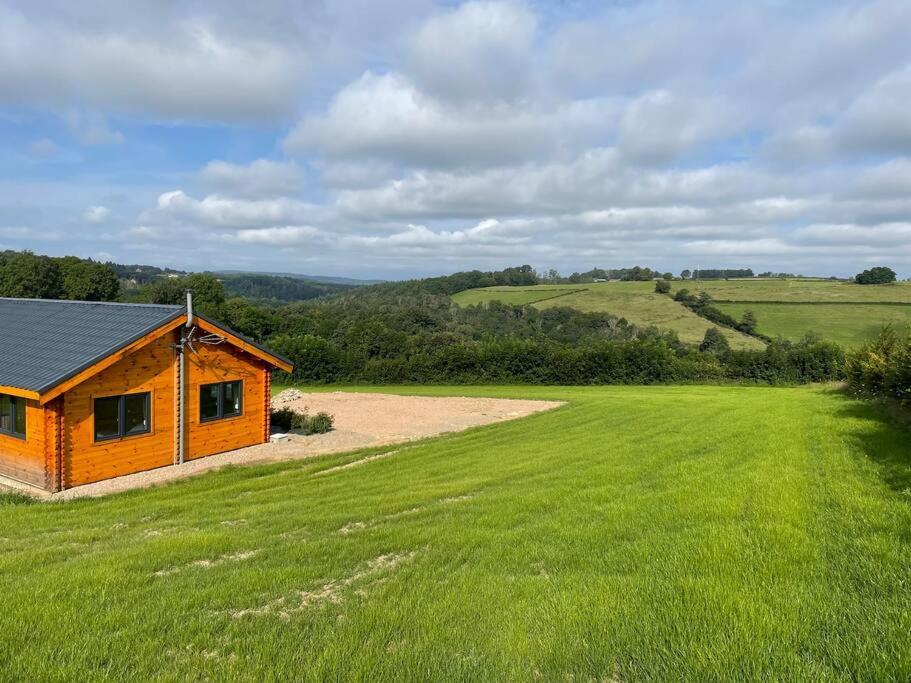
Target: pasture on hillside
634,533
850,325
799,290
635,301
842,312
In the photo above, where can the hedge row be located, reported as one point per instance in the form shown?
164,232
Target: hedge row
637,361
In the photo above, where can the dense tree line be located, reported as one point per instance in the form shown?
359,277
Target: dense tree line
448,285
634,274
702,306
881,275
277,287
26,275
141,274
371,337
412,332
721,273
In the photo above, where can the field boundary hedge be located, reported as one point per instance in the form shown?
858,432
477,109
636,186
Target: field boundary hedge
812,303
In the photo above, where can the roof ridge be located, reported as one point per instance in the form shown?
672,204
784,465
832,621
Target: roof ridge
172,307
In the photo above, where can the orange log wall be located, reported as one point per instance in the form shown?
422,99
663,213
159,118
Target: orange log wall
151,369
24,459
225,363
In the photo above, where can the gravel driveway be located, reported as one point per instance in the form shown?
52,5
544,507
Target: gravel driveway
361,420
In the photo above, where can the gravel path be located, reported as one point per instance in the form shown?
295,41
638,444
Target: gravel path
361,420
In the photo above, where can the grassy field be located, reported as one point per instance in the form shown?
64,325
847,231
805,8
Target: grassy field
799,290
635,301
518,296
848,324
636,533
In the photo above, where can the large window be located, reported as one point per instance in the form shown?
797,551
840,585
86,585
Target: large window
119,416
12,416
217,401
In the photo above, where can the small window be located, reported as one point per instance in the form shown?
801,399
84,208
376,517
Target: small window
119,416
221,400
12,416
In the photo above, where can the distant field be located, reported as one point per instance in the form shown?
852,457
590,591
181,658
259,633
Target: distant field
799,290
519,296
850,314
848,324
636,534
635,301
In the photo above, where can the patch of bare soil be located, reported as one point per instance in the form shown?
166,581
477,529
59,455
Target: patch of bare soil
332,591
361,420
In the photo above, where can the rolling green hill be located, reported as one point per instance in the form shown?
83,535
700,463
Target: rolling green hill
848,324
638,533
803,290
635,301
843,312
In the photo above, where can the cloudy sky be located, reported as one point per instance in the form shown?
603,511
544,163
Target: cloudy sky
412,137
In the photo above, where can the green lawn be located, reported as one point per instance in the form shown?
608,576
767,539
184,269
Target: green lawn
635,301
636,533
799,290
848,324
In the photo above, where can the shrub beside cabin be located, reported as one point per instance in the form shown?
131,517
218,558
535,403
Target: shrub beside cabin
90,391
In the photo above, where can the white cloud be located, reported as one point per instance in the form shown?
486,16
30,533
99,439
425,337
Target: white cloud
887,234
659,126
386,117
96,214
287,235
476,51
185,68
214,211
261,178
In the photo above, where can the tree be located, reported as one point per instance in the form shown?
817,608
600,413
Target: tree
208,292
663,287
704,299
31,277
748,322
880,275
685,274
88,281
668,276
714,342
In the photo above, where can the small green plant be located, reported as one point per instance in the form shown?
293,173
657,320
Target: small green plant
291,420
663,287
303,423
283,418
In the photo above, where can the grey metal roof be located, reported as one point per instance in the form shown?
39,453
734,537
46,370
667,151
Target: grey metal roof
44,343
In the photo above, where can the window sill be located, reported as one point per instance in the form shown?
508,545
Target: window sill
216,420
127,437
12,435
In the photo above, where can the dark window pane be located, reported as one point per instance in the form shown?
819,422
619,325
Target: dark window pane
107,417
19,416
208,401
6,418
135,414
232,404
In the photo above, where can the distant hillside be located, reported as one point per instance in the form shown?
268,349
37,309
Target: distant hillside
277,287
325,279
